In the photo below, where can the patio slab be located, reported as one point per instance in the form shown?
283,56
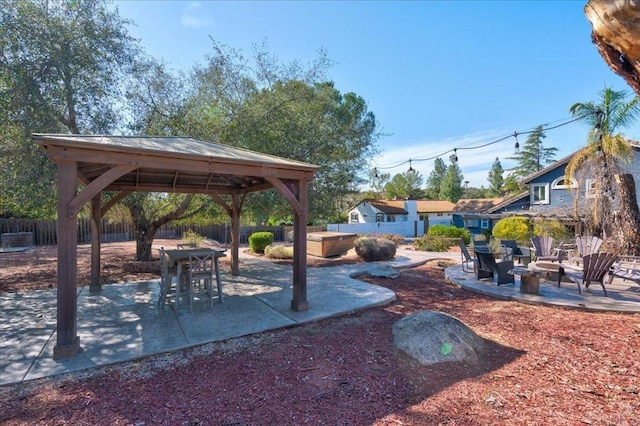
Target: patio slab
123,321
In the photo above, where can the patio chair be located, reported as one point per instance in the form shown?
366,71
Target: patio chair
595,268
200,270
185,246
543,247
167,273
465,256
511,251
487,267
586,245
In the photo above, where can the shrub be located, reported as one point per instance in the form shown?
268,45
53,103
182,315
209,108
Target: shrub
449,231
259,240
551,227
191,237
432,243
512,228
278,251
372,249
396,238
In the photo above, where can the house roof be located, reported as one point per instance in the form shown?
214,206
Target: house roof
509,201
550,167
423,206
476,205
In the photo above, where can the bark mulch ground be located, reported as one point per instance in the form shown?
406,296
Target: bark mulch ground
544,366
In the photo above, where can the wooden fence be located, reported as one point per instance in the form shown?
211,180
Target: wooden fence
44,231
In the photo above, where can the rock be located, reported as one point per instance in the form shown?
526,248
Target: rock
434,337
373,249
384,272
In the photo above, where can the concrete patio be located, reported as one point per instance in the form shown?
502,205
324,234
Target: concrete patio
123,322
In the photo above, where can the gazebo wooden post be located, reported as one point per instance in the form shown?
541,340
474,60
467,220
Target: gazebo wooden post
96,231
235,234
67,343
299,301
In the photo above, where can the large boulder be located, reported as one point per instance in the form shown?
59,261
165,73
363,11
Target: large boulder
434,337
372,249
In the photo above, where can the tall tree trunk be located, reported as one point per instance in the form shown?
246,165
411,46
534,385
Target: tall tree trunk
146,229
625,233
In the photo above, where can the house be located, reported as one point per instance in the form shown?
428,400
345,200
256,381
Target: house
551,193
372,211
470,214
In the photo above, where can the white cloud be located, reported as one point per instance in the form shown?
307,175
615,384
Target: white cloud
194,17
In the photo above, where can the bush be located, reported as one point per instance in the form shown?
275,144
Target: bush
449,231
552,228
512,228
278,251
191,237
259,240
372,249
432,243
396,238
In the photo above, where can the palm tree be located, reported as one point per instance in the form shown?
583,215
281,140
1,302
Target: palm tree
604,153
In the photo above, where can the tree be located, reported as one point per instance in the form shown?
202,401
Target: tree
405,185
60,68
496,181
451,188
434,182
603,154
533,156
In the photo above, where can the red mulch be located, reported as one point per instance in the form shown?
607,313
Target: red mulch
544,366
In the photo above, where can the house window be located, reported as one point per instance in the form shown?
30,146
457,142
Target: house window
484,223
472,223
540,193
590,188
440,214
391,218
354,217
564,183
379,217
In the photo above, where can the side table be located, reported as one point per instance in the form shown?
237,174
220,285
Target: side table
529,279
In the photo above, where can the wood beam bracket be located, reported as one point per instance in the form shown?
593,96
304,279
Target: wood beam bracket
288,193
96,186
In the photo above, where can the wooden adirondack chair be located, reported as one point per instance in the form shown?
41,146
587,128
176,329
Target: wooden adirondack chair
465,256
543,246
595,268
586,245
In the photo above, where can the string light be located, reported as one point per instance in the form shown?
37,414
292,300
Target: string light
493,142
516,147
410,168
455,155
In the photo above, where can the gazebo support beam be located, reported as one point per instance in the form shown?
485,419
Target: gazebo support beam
68,342
96,232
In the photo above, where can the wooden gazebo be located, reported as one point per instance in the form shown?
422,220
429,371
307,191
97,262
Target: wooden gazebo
128,164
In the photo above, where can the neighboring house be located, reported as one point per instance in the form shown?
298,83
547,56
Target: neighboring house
372,211
471,214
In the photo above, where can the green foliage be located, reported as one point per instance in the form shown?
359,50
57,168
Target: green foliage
427,242
396,238
496,181
451,188
278,251
434,182
532,156
407,184
191,237
552,228
513,228
449,231
259,240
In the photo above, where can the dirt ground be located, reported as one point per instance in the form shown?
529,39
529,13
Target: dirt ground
543,365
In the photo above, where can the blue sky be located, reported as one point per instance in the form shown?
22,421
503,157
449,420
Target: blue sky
438,75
